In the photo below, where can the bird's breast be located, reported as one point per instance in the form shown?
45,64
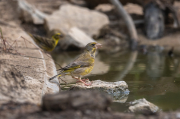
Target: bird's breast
87,70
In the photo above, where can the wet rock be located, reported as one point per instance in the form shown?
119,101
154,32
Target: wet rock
29,13
115,89
107,86
78,100
121,98
143,106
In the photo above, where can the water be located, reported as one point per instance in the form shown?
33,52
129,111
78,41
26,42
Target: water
153,76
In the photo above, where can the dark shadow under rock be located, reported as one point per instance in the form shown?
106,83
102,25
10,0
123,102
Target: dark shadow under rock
81,105
77,100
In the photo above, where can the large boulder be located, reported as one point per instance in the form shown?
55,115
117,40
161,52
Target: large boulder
69,16
24,68
77,23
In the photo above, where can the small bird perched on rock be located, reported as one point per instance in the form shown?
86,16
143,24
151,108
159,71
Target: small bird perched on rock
47,44
82,65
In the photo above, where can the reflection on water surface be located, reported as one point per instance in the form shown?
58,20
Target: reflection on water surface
153,76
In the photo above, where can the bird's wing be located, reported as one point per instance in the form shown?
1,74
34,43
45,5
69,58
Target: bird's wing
42,41
76,65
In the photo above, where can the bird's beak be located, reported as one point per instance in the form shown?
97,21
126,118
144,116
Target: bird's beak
61,35
98,45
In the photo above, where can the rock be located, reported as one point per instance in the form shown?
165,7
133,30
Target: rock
137,9
75,37
77,100
143,106
104,8
24,76
74,22
29,13
114,89
12,110
120,98
69,16
47,6
107,86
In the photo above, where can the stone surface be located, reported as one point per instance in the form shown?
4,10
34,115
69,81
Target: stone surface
117,90
47,6
25,69
69,16
79,37
76,100
13,110
108,86
29,13
122,98
143,106
77,23
75,37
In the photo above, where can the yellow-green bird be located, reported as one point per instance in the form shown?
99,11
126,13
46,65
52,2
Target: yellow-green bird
47,44
82,65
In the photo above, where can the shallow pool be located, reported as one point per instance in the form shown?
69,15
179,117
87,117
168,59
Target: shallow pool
153,75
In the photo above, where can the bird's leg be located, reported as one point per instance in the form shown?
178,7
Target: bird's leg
79,78
84,80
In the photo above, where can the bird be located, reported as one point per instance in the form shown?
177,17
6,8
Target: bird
47,44
82,65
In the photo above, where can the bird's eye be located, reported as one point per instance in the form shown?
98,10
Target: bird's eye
93,44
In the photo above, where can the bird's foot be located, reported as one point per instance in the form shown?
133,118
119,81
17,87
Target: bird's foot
84,80
87,84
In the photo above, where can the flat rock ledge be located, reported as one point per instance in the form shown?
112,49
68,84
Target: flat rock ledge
24,70
115,89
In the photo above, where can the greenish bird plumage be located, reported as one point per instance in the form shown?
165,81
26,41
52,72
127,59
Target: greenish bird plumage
82,65
47,44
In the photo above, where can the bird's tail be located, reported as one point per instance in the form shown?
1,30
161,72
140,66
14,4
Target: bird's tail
54,76
60,74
